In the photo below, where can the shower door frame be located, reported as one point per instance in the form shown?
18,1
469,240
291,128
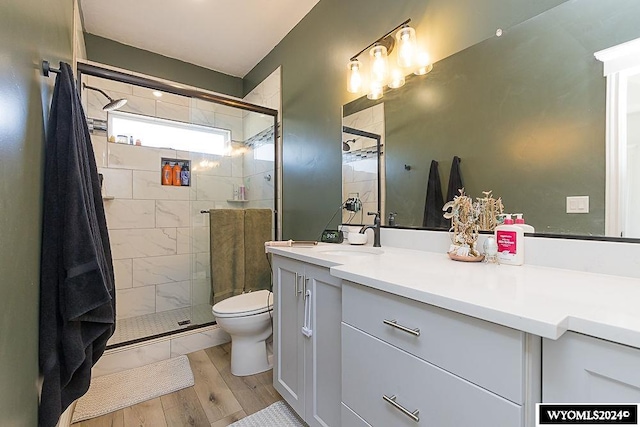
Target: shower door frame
120,76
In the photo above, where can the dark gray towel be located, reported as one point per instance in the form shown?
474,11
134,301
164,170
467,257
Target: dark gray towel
433,204
455,179
77,294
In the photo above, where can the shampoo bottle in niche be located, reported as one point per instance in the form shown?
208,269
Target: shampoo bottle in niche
510,240
525,227
185,175
166,174
175,179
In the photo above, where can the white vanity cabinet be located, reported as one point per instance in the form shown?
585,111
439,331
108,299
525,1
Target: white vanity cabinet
307,352
581,369
406,363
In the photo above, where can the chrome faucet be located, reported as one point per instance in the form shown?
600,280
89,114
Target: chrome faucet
375,227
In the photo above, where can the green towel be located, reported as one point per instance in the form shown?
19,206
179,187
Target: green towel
257,230
227,230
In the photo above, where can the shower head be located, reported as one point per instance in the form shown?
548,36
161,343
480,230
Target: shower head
113,104
345,144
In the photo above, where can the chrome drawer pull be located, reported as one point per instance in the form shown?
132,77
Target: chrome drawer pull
395,324
392,400
296,288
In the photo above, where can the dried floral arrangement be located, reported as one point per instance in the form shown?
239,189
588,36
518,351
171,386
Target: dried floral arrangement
464,215
490,209
467,219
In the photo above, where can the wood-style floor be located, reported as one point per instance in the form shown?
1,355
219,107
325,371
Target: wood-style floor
217,398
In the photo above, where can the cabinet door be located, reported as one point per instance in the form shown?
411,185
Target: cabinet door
579,368
323,349
288,344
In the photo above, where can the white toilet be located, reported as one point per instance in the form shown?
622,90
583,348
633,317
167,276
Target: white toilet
247,318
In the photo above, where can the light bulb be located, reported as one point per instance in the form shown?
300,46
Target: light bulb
406,39
375,91
379,65
424,65
397,79
354,82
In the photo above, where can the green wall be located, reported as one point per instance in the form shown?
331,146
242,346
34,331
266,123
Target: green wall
29,33
314,58
127,57
525,112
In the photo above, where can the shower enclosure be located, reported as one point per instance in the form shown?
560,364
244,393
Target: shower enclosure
160,233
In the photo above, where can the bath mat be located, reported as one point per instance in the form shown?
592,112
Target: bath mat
112,392
275,415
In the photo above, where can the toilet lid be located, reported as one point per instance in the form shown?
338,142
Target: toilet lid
244,304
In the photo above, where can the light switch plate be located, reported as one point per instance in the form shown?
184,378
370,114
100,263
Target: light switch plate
578,204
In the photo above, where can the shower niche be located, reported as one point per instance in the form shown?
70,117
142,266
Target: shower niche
175,172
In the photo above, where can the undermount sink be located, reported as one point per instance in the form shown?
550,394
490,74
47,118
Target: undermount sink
353,251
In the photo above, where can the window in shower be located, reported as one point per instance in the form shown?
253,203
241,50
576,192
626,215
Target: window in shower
171,134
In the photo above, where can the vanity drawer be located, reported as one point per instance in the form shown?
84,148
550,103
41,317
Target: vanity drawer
351,419
484,353
372,369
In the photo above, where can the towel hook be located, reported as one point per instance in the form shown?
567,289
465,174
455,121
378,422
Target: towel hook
407,167
46,68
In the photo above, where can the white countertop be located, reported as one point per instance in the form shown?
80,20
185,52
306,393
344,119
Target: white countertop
538,300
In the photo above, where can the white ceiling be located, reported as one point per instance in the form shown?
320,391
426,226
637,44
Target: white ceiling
230,36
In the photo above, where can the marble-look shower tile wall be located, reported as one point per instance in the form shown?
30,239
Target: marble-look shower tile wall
360,175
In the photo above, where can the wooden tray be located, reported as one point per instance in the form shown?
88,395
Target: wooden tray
455,257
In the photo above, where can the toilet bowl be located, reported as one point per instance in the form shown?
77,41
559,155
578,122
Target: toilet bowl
247,318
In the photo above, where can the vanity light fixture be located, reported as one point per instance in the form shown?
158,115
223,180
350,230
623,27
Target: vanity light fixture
384,71
379,64
354,85
406,37
424,64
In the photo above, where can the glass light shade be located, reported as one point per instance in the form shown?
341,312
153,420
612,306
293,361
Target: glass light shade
397,79
406,45
424,64
354,82
375,91
379,65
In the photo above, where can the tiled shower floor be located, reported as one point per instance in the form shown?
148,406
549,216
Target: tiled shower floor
148,325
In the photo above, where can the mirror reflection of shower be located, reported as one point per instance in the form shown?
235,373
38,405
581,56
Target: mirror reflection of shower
361,167
113,104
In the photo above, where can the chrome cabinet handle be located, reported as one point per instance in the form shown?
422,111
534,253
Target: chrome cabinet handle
395,324
392,400
305,279
296,287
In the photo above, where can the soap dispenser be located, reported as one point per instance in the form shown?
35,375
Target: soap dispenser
510,239
525,227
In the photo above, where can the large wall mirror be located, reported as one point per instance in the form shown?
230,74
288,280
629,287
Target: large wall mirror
525,112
